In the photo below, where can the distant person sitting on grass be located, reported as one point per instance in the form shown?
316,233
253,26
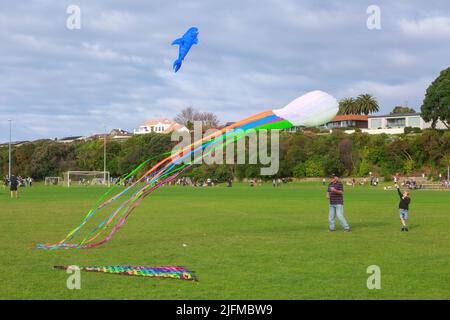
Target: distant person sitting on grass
404,208
335,195
13,187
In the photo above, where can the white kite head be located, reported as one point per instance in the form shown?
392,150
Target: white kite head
312,109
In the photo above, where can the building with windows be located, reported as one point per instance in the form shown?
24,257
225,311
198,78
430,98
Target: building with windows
396,123
348,121
162,125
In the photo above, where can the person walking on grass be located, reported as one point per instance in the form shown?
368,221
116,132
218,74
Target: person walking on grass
405,200
335,195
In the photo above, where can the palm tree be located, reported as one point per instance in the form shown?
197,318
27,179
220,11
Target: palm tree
366,103
347,106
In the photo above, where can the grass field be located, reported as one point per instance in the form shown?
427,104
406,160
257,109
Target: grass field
242,242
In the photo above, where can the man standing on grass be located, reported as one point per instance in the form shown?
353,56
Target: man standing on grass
335,195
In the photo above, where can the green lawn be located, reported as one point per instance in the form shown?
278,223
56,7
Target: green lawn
242,242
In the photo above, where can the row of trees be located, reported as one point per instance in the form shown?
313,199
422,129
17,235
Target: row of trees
365,104
362,104
301,155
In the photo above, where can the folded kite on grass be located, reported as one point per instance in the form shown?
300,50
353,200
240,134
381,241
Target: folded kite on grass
172,272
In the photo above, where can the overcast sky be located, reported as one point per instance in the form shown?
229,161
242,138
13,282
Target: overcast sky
116,71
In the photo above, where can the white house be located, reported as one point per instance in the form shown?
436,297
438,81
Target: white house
162,125
396,123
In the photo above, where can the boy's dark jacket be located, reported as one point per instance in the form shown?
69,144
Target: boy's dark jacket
404,203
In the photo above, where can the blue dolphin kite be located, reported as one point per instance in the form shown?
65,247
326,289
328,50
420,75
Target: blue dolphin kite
185,43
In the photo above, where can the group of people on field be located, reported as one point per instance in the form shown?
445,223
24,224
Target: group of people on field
14,182
335,195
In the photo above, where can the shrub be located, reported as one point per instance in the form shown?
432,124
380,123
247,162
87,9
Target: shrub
314,168
412,130
299,170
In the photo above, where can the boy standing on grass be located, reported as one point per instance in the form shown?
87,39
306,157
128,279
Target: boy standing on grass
404,207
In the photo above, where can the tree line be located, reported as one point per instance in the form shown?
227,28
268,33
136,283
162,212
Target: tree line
302,154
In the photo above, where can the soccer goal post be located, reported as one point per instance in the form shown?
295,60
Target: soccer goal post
53,181
86,178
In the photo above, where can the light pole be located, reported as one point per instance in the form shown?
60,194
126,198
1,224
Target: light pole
104,160
9,152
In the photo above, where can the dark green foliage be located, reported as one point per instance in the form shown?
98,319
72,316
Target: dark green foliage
412,130
402,110
436,105
363,104
301,156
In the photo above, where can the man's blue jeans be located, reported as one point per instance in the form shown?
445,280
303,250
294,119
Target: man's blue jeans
337,210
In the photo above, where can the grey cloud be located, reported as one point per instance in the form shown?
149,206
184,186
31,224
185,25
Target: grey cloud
253,55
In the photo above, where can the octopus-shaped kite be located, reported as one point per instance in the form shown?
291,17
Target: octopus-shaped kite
116,205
